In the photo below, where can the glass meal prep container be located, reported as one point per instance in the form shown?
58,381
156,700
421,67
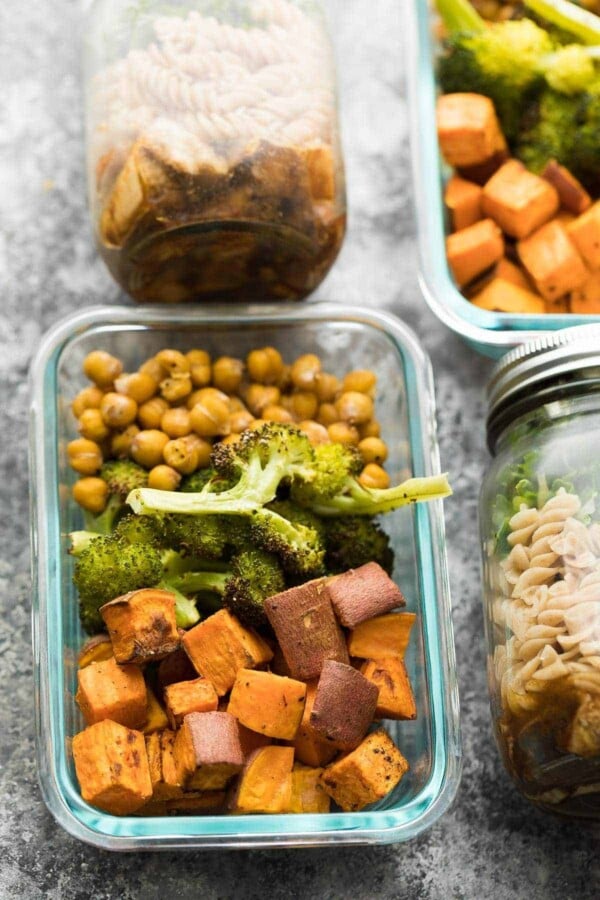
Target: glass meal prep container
491,333
343,339
213,152
540,532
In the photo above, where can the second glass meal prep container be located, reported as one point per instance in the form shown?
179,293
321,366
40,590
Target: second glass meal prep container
491,333
405,407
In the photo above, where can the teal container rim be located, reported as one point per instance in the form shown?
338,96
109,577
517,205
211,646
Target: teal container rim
130,833
491,333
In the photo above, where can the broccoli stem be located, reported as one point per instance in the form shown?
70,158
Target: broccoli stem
147,501
572,18
460,16
361,501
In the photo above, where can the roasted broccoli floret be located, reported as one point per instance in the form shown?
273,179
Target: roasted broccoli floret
122,476
300,548
193,483
353,541
570,69
255,575
208,537
547,131
333,465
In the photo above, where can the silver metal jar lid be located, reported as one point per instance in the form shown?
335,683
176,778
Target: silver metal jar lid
550,356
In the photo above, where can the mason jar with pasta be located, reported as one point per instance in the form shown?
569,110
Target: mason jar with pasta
214,163
540,529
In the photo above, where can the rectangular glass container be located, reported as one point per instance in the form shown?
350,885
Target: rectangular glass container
405,406
491,333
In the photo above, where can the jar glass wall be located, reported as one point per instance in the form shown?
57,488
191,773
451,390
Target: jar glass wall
213,152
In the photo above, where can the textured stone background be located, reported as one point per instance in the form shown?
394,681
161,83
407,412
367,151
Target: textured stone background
490,844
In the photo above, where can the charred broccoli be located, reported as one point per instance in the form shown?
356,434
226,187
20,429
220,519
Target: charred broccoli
353,541
255,575
122,476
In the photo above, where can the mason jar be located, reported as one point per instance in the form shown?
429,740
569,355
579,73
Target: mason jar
213,152
540,532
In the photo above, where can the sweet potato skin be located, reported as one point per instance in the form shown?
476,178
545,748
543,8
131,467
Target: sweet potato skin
141,625
573,195
344,705
265,785
384,636
361,594
309,747
109,691
395,699
267,703
365,775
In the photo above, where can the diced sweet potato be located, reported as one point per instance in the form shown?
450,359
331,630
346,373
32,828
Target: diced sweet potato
154,750
112,767
321,171
552,261
156,717
473,250
502,296
278,663
463,199
177,766
360,594
511,272
344,705
304,623
583,735
482,172
268,703
558,307
141,625
585,234
251,740
382,637
220,646
175,667
186,697
573,195
365,775
585,300
97,649
517,200
309,747
209,744
265,785
308,795
395,699
109,691
197,803
468,129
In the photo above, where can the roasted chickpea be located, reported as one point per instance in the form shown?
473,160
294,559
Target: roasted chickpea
91,425
88,398
355,408
147,447
230,439
275,413
304,405
182,455
343,433
203,447
102,368
91,494
236,404
151,412
210,417
153,368
327,414
138,385
201,374
265,365
198,358
84,456
120,443
304,371
227,374
118,410
327,387
361,380
240,420
163,478
316,433
258,396
370,429
373,450
255,424
176,422
173,362
177,387
373,476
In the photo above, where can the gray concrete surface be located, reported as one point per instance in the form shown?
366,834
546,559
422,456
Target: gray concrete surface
491,844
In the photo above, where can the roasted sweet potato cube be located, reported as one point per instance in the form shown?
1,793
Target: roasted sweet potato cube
154,750
308,795
395,699
141,625
509,271
366,774
112,767
251,740
382,637
585,234
585,300
517,200
309,747
220,646
186,697
175,667
265,785
361,594
468,129
209,744
197,803
463,199
321,171
268,703
97,649
177,766
502,296
552,261
583,735
473,250
156,717
573,195
109,691
305,626
344,705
